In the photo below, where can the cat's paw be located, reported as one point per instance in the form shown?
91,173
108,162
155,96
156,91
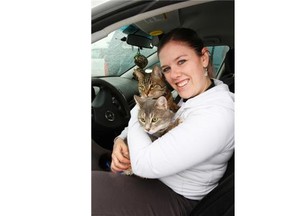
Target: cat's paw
178,121
128,172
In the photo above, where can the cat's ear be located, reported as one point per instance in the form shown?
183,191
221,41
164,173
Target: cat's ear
161,103
157,71
138,100
138,74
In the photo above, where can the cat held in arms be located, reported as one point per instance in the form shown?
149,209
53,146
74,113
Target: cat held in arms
156,105
155,117
154,85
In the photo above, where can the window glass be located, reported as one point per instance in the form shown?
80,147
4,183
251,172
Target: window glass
218,54
112,56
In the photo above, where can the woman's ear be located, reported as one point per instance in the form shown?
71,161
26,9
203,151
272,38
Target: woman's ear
205,57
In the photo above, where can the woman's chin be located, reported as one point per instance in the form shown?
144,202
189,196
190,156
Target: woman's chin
185,94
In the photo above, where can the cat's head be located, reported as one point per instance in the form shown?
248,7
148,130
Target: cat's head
150,84
153,115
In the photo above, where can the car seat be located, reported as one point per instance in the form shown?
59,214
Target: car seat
220,201
229,70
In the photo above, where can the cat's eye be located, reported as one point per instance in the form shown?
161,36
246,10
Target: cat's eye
154,120
142,120
155,86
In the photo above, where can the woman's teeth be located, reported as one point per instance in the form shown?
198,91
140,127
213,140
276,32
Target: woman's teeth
181,84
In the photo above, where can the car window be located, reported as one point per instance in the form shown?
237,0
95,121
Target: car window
218,54
112,56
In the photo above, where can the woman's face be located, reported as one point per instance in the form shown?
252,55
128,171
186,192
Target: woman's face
184,69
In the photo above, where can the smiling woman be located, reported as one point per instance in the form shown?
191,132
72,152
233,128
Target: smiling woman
203,158
183,171
188,56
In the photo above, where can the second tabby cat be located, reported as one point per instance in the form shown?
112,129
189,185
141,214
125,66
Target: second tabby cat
155,117
156,103
153,85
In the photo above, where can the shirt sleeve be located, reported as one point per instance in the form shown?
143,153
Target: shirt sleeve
123,134
201,135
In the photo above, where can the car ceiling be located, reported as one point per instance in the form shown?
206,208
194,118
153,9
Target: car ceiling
213,20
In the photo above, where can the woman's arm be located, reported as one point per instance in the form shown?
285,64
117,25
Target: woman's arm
201,135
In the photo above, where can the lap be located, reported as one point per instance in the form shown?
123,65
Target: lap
117,194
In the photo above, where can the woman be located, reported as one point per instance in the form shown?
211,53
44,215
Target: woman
185,164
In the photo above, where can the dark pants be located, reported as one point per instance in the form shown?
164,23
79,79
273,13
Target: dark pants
117,194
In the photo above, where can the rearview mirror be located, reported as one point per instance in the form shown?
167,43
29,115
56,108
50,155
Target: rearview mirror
140,41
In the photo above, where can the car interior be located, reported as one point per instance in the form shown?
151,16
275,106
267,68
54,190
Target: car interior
138,26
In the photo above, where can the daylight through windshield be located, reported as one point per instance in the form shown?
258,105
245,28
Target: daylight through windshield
112,56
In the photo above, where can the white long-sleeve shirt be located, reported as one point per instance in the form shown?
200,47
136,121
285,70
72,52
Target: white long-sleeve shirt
192,157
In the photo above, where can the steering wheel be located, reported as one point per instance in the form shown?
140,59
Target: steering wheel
109,107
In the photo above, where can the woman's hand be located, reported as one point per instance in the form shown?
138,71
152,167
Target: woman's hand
120,156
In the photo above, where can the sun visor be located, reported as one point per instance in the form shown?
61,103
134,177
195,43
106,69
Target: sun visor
166,21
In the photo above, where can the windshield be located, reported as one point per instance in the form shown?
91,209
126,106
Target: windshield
112,56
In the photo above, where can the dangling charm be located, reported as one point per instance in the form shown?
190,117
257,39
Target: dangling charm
140,60
205,71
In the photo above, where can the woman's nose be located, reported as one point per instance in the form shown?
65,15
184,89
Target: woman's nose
175,72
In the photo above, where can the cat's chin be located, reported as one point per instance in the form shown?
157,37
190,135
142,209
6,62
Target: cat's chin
150,132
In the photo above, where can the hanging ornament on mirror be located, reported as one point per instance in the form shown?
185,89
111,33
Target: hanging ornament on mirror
140,60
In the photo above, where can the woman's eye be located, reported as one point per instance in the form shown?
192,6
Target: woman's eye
165,70
181,62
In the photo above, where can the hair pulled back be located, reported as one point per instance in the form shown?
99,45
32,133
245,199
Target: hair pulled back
188,36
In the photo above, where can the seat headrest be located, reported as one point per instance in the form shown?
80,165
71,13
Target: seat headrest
229,61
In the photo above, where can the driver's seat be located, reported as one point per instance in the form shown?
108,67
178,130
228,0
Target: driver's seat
220,201
229,71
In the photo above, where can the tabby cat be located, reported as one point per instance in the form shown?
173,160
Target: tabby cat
153,85
156,103
155,117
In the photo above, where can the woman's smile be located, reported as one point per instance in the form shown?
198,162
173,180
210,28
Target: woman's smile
182,83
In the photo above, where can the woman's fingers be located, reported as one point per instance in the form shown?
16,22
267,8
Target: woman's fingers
121,151
120,156
118,168
119,162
